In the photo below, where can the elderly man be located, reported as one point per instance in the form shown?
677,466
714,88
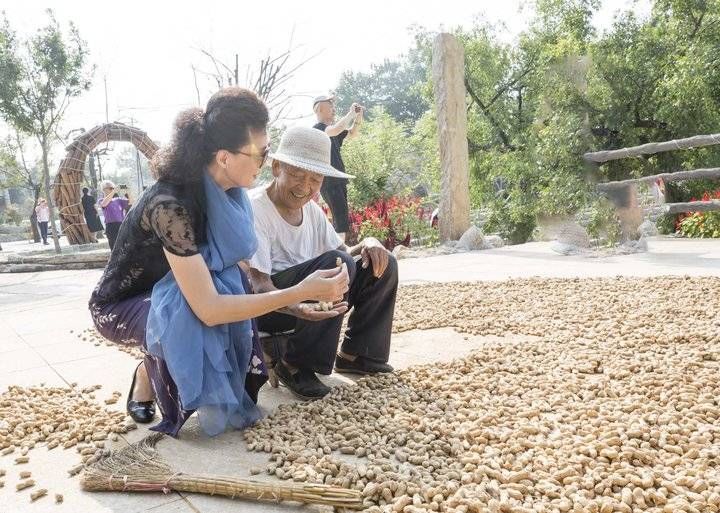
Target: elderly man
334,189
294,240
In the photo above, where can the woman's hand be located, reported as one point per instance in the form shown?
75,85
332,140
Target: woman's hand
326,285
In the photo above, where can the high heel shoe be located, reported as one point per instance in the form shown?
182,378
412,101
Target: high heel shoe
142,412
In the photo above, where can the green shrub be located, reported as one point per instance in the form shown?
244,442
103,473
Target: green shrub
701,225
379,158
603,222
666,224
13,215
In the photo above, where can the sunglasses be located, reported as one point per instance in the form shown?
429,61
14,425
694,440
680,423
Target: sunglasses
262,158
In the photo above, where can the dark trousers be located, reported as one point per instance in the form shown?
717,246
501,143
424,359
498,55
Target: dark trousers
43,230
334,192
314,343
111,230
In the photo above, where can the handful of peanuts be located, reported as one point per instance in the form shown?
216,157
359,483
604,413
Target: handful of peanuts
326,306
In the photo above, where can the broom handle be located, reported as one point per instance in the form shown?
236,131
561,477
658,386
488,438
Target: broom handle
234,487
308,493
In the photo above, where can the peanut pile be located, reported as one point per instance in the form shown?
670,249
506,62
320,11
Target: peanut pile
58,417
605,399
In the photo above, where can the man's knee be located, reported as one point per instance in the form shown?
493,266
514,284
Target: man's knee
391,271
330,261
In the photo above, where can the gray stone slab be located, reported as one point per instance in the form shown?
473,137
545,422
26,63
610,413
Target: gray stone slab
113,370
31,377
20,360
68,351
664,257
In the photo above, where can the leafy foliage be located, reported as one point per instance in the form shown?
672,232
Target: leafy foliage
395,85
535,106
700,224
393,221
39,77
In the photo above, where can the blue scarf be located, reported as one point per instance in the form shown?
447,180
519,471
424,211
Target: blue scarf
209,364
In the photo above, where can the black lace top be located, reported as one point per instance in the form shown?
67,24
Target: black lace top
165,216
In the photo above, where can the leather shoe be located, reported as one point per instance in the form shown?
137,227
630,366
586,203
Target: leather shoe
360,365
304,384
141,412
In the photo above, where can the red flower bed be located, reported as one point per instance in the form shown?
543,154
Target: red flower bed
391,220
707,196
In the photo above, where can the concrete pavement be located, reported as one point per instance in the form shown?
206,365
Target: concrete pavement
38,311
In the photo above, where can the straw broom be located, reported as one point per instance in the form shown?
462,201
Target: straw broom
139,468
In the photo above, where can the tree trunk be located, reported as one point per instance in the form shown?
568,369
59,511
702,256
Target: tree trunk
46,178
33,215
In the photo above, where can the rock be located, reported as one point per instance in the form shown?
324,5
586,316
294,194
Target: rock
633,246
647,229
572,234
448,70
564,248
494,241
471,240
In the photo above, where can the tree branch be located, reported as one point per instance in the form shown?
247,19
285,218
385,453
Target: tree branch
503,136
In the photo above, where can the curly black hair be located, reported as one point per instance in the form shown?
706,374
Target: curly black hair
230,116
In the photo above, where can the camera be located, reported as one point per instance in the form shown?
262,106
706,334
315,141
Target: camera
122,186
358,108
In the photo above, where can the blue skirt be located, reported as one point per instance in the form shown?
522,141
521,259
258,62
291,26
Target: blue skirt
124,322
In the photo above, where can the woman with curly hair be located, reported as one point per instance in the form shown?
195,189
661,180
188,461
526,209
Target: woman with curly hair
173,285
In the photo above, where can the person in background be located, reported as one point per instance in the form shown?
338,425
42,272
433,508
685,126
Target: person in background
92,219
43,217
114,210
334,190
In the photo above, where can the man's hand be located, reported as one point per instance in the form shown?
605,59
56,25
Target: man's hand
307,311
374,252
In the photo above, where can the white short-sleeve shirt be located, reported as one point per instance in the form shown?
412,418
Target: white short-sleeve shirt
282,245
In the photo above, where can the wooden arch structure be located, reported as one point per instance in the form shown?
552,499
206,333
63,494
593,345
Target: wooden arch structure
70,175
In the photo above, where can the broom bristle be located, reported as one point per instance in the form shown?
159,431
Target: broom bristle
139,467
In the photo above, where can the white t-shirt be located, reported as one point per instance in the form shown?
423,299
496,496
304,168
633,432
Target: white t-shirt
282,245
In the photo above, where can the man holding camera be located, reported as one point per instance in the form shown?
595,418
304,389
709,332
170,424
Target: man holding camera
334,190
114,209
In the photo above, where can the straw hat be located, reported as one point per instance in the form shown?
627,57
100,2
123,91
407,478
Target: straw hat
309,149
323,98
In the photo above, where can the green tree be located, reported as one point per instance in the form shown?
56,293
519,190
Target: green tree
380,159
535,106
394,85
563,90
16,171
39,76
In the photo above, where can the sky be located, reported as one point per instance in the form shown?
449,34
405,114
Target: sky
145,51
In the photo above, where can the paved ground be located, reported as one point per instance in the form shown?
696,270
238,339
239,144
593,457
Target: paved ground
27,246
37,312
